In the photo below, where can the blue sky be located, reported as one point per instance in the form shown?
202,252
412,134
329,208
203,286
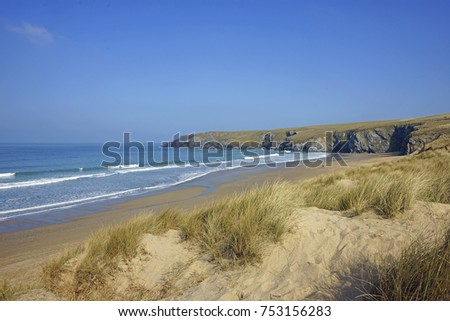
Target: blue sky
84,71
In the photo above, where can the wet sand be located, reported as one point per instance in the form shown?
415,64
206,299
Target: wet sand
22,253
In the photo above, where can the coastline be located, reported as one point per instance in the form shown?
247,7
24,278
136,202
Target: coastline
23,252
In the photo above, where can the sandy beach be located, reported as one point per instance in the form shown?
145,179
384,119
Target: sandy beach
22,253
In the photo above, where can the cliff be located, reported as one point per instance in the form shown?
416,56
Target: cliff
403,136
377,140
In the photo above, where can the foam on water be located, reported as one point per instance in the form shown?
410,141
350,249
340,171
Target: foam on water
60,205
123,166
261,156
7,175
46,181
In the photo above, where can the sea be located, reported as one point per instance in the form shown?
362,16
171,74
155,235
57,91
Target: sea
37,179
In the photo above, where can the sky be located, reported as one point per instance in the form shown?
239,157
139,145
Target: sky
87,71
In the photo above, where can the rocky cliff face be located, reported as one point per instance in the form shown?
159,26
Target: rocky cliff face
377,140
267,141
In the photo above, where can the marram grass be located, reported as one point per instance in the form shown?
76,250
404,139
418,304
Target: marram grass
388,188
237,228
420,273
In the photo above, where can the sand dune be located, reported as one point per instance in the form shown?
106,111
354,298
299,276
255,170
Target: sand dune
310,263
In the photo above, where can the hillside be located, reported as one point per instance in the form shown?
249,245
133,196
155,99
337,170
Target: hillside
404,135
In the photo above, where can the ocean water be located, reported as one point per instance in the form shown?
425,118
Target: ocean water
47,178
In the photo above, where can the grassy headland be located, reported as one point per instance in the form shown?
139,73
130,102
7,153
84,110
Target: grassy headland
433,130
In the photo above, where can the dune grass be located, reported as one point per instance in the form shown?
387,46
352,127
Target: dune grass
10,290
123,240
236,229
421,272
100,256
388,188
7,291
53,270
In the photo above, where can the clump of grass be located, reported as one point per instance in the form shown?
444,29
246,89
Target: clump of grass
236,229
394,193
332,196
421,272
123,240
7,291
389,188
437,171
53,270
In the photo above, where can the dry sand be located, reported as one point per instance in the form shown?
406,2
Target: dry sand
22,253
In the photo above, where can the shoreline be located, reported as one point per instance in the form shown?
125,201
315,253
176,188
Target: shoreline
23,252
